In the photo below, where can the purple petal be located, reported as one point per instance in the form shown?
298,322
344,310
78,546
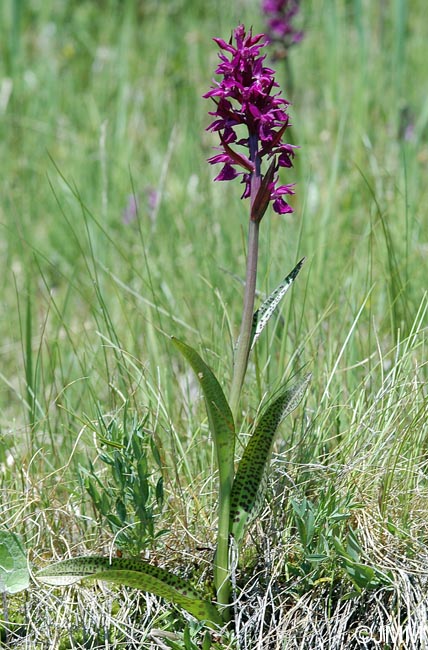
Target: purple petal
281,207
228,173
250,111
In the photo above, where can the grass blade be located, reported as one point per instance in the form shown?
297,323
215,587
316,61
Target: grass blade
248,486
132,573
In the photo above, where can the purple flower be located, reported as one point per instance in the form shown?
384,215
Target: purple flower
279,17
130,211
250,119
152,199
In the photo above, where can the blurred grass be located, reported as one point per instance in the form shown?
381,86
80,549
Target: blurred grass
100,101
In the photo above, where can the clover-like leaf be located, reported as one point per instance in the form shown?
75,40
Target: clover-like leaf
14,574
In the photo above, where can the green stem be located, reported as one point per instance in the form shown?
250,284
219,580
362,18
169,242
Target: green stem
221,560
244,342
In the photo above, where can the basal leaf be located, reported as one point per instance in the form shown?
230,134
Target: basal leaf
14,574
223,431
132,573
248,486
219,414
267,308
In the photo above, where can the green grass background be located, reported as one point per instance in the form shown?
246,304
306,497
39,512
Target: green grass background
102,100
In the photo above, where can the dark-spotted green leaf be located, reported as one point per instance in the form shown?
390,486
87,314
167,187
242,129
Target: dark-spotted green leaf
14,574
132,573
267,308
249,483
222,427
219,414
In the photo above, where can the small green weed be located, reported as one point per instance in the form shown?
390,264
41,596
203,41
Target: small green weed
128,493
328,545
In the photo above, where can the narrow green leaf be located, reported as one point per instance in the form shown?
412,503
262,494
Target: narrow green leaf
316,557
219,414
14,574
223,431
206,644
267,308
132,573
248,486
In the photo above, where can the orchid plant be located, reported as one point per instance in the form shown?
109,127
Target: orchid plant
250,118
280,16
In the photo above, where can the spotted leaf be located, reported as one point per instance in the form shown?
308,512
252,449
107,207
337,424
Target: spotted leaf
132,573
248,486
267,308
219,414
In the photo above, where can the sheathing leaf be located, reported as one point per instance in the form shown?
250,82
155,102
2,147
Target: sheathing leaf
219,414
248,486
267,308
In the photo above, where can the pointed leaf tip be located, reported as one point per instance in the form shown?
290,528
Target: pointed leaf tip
218,410
267,308
133,572
249,484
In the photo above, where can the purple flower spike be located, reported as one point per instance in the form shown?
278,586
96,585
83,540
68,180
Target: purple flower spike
250,116
279,17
